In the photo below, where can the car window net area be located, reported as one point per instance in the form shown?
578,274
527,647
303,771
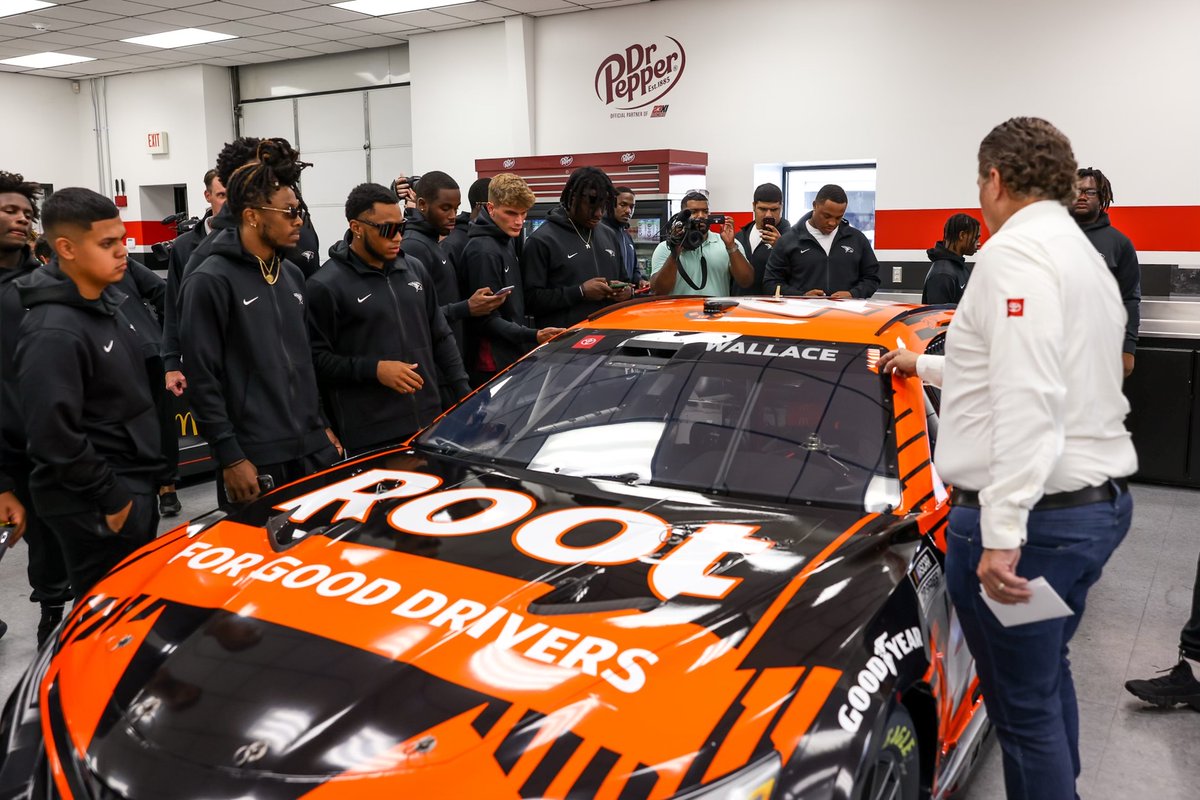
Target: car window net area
778,419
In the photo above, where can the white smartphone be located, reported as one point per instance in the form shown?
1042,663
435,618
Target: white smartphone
505,290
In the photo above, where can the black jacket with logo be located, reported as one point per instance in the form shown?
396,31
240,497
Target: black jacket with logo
490,259
91,423
631,270
421,242
947,277
1121,257
799,264
757,257
456,242
359,316
181,252
12,429
558,258
249,365
145,300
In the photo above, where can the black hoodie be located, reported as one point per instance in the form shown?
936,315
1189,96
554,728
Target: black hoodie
559,257
249,365
92,425
947,277
456,242
799,264
490,259
630,269
1122,260
757,257
12,311
145,298
359,316
421,242
181,252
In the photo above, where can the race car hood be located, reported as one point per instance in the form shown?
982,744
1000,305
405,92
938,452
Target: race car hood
311,635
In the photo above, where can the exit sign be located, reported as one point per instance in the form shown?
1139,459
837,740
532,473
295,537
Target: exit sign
156,142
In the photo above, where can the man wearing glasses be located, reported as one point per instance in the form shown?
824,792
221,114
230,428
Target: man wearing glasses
380,341
245,340
1093,197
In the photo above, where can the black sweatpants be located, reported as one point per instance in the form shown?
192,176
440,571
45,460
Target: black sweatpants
47,569
91,549
1189,640
281,474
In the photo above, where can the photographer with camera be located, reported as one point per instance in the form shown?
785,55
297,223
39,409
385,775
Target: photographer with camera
760,236
693,260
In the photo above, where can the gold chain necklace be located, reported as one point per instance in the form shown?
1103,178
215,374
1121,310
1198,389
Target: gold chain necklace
270,272
586,242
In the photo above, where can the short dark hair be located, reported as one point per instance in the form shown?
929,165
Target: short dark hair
625,190
1033,157
957,225
691,196
362,198
433,182
768,193
208,179
275,165
76,206
587,181
13,183
1102,185
478,193
831,192
43,250
234,155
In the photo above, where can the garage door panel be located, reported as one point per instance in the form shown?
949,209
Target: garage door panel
326,184
331,122
391,117
389,162
270,119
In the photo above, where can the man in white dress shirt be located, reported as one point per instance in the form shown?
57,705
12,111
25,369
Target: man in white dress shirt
1033,439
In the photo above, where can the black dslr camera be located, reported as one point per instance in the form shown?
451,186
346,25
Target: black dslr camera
689,232
183,223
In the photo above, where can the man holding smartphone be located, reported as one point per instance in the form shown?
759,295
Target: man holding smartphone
760,236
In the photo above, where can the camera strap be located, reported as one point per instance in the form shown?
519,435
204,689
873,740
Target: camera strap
703,271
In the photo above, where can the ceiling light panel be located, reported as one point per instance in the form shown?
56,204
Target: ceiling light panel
45,60
182,37
10,7
379,8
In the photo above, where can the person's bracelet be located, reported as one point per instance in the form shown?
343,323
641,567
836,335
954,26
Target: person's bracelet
730,250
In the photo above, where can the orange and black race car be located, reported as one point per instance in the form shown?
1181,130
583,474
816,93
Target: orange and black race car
689,549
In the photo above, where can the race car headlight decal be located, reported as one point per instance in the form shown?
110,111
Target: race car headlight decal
755,782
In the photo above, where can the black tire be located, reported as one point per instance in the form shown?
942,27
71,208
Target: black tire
893,769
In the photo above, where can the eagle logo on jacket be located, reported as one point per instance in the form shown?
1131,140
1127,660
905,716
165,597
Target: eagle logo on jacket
848,248
416,286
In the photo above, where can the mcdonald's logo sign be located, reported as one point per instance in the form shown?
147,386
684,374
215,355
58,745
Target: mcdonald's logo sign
184,420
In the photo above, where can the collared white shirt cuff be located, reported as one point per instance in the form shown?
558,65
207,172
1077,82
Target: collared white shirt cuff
1003,527
929,369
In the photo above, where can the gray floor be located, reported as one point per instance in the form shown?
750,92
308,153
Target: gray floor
1131,630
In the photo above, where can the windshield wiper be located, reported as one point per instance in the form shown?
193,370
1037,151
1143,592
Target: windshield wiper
446,446
627,478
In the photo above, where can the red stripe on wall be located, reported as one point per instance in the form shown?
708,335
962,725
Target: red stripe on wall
148,232
1149,227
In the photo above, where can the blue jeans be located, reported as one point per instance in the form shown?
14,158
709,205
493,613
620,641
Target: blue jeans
1024,671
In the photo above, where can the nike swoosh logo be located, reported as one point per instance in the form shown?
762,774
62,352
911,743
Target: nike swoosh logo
443,263
805,250
572,255
364,298
248,302
108,347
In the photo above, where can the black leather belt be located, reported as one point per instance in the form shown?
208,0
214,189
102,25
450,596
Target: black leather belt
1111,488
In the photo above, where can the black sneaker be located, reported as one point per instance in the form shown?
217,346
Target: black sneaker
169,505
1179,685
3,628
51,616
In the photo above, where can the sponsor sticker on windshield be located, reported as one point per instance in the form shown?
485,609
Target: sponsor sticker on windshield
587,342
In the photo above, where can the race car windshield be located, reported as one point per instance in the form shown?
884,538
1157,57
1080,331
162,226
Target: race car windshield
776,419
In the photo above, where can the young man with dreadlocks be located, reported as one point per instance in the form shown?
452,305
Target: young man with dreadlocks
245,339
92,427
47,571
948,275
1094,195
572,264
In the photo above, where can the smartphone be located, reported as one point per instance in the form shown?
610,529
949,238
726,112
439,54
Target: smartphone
716,221
505,290
770,222
6,534
265,483
618,285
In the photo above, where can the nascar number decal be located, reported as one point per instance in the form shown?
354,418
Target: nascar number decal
684,570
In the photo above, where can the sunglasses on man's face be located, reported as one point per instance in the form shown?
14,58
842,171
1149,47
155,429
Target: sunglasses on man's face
388,230
291,212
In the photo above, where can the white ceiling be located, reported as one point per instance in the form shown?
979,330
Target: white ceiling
267,30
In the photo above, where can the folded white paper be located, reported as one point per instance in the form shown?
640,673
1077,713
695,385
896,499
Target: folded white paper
1044,604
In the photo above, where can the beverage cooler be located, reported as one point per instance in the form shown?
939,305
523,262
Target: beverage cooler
659,179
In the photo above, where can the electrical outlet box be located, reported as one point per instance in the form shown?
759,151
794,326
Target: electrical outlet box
897,274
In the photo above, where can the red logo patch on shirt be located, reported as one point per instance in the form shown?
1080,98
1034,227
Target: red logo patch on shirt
1016,307
587,343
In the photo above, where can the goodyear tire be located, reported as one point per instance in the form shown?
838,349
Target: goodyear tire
893,769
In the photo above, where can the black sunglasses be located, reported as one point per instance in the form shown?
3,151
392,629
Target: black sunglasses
387,230
291,212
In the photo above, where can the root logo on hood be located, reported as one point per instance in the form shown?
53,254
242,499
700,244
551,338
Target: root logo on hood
641,74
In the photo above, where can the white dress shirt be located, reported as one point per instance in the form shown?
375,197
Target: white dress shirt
823,239
1031,380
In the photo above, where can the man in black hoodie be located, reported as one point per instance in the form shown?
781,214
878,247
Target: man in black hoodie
380,342
759,237
948,275
245,339
1094,196
92,426
490,260
438,198
572,265
46,569
456,240
618,220
823,256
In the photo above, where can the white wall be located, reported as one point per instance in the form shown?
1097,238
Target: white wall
42,131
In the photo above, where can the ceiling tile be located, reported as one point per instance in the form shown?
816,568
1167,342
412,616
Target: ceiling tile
610,3
280,22
239,28
287,38
331,47
533,6
15,31
375,25
71,14
244,45
271,5
117,47
256,58
224,11
463,24
181,19
62,39
136,26
161,3
372,41
325,14
122,8
475,11
288,53
421,19
550,12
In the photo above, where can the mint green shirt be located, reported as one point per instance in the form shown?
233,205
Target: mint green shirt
715,256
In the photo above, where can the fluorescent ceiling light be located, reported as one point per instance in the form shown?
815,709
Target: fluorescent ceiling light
10,7
45,60
378,8
184,37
